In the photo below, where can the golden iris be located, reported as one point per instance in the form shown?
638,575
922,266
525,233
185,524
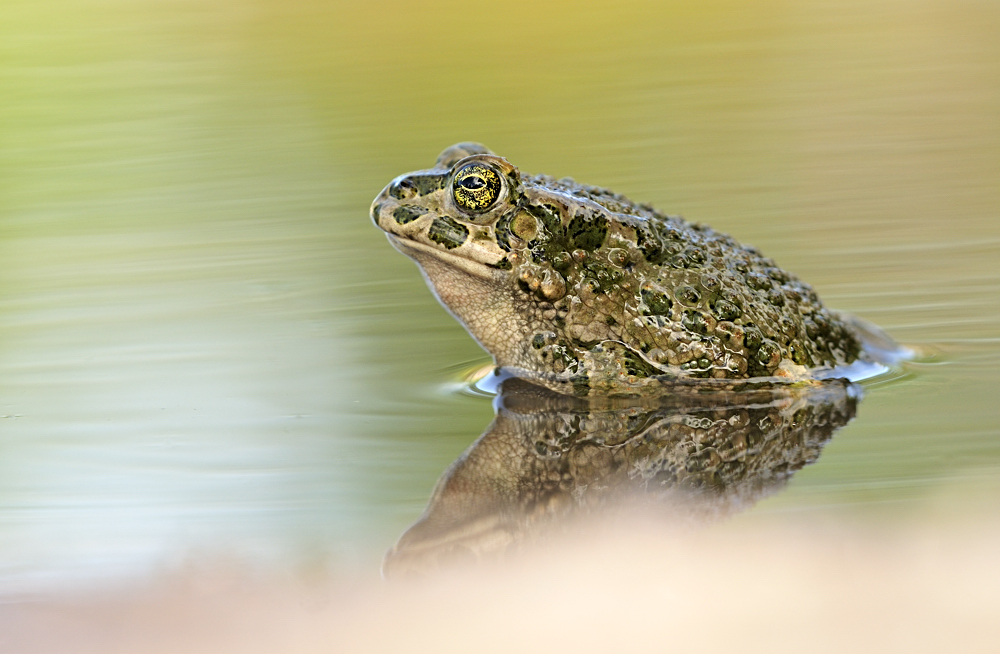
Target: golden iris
476,187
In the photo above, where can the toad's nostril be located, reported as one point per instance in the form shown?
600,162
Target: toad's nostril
403,189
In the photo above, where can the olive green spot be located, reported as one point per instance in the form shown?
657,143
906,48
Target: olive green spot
636,365
726,310
800,355
600,278
549,215
693,321
503,264
538,341
407,213
427,184
550,241
788,327
561,261
513,186
657,304
587,232
647,241
752,337
448,232
581,385
503,231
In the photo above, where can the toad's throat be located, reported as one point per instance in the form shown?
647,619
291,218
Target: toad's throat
425,255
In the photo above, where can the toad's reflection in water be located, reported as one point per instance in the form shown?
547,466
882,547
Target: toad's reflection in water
699,454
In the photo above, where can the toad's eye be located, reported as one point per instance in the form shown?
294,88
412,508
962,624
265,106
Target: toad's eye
476,187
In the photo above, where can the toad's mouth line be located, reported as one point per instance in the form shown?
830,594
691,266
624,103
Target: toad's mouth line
420,251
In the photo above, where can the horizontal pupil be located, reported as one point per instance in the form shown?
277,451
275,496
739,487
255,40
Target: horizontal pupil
472,183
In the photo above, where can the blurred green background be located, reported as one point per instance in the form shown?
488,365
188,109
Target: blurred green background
207,349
